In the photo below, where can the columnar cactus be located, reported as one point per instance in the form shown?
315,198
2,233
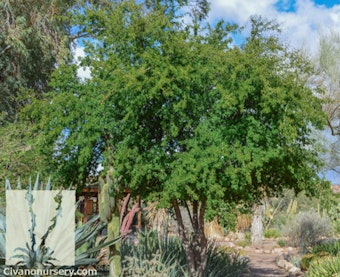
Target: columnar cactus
109,213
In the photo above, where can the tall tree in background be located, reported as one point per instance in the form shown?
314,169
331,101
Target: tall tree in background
327,62
188,118
34,37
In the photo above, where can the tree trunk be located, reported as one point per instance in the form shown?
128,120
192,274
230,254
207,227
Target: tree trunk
195,246
257,226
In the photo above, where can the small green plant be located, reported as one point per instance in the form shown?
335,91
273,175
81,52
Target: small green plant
306,229
281,243
271,233
246,241
295,260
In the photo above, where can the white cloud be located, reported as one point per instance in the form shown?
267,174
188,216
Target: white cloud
83,72
301,25
239,11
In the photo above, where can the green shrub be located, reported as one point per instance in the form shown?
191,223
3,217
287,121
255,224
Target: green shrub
271,233
330,247
306,229
324,267
282,243
334,215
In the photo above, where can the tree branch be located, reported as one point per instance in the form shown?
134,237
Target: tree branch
8,47
179,219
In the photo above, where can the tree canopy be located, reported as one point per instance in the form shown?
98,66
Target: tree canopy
181,113
34,37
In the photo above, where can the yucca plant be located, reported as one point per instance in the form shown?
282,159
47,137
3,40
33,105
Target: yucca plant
164,256
87,245
160,256
222,263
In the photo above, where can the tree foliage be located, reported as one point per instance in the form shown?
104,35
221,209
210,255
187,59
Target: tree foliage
34,37
182,114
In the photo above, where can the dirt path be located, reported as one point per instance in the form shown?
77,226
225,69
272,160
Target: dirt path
263,265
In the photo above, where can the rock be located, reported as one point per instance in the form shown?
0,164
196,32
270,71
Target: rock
267,251
278,250
229,244
232,236
258,251
288,265
247,248
240,236
295,271
281,263
284,264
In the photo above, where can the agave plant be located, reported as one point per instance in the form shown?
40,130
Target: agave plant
38,255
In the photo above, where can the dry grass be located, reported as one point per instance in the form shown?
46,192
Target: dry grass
213,231
157,217
243,222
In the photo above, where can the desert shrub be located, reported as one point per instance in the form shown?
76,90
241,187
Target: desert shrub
306,229
271,233
330,247
334,214
282,243
324,267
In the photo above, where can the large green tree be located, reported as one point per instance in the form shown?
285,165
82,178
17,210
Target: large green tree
186,117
